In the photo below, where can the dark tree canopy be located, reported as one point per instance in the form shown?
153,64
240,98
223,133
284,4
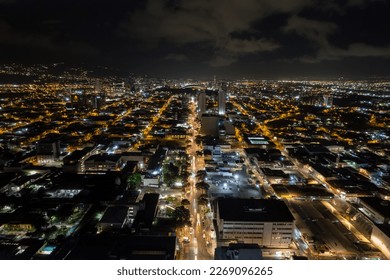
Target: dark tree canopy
182,216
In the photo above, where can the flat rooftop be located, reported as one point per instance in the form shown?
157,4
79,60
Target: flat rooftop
117,246
379,205
115,214
256,210
78,154
318,191
238,252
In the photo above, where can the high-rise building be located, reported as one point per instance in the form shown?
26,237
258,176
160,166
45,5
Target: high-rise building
118,88
202,102
97,101
98,86
221,103
47,151
328,100
78,99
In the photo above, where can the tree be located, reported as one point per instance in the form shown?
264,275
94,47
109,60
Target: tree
64,211
60,238
201,175
203,200
50,231
185,202
184,166
202,186
185,174
170,174
134,180
198,139
181,216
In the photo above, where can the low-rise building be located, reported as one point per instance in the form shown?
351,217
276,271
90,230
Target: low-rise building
103,163
238,252
376,209
380,237
149,180
116,217
73,162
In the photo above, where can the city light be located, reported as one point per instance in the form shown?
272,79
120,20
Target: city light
167,131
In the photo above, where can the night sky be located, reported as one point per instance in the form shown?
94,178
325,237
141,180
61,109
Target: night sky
203,38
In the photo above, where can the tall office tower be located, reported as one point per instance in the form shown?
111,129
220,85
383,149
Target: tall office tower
98,86
78,99
221,103
328,100
202,102
97,101
118,88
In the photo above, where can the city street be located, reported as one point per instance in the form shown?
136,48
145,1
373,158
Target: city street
200,245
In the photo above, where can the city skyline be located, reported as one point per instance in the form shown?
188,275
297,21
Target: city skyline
146,168
195,130
199,39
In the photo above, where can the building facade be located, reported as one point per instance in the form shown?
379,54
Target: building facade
221,103
267,223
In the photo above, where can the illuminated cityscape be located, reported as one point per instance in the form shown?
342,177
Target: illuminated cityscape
172,156
88,162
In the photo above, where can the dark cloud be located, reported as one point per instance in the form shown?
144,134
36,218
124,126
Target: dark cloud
316,31
322,33
225,37
176,56
355,50
8,36
209,22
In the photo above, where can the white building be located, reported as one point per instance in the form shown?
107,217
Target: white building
268,223
380,237
202,102
221,103
151,180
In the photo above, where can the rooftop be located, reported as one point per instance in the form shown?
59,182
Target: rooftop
123,246
238,252
115,214
256,210
379,205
